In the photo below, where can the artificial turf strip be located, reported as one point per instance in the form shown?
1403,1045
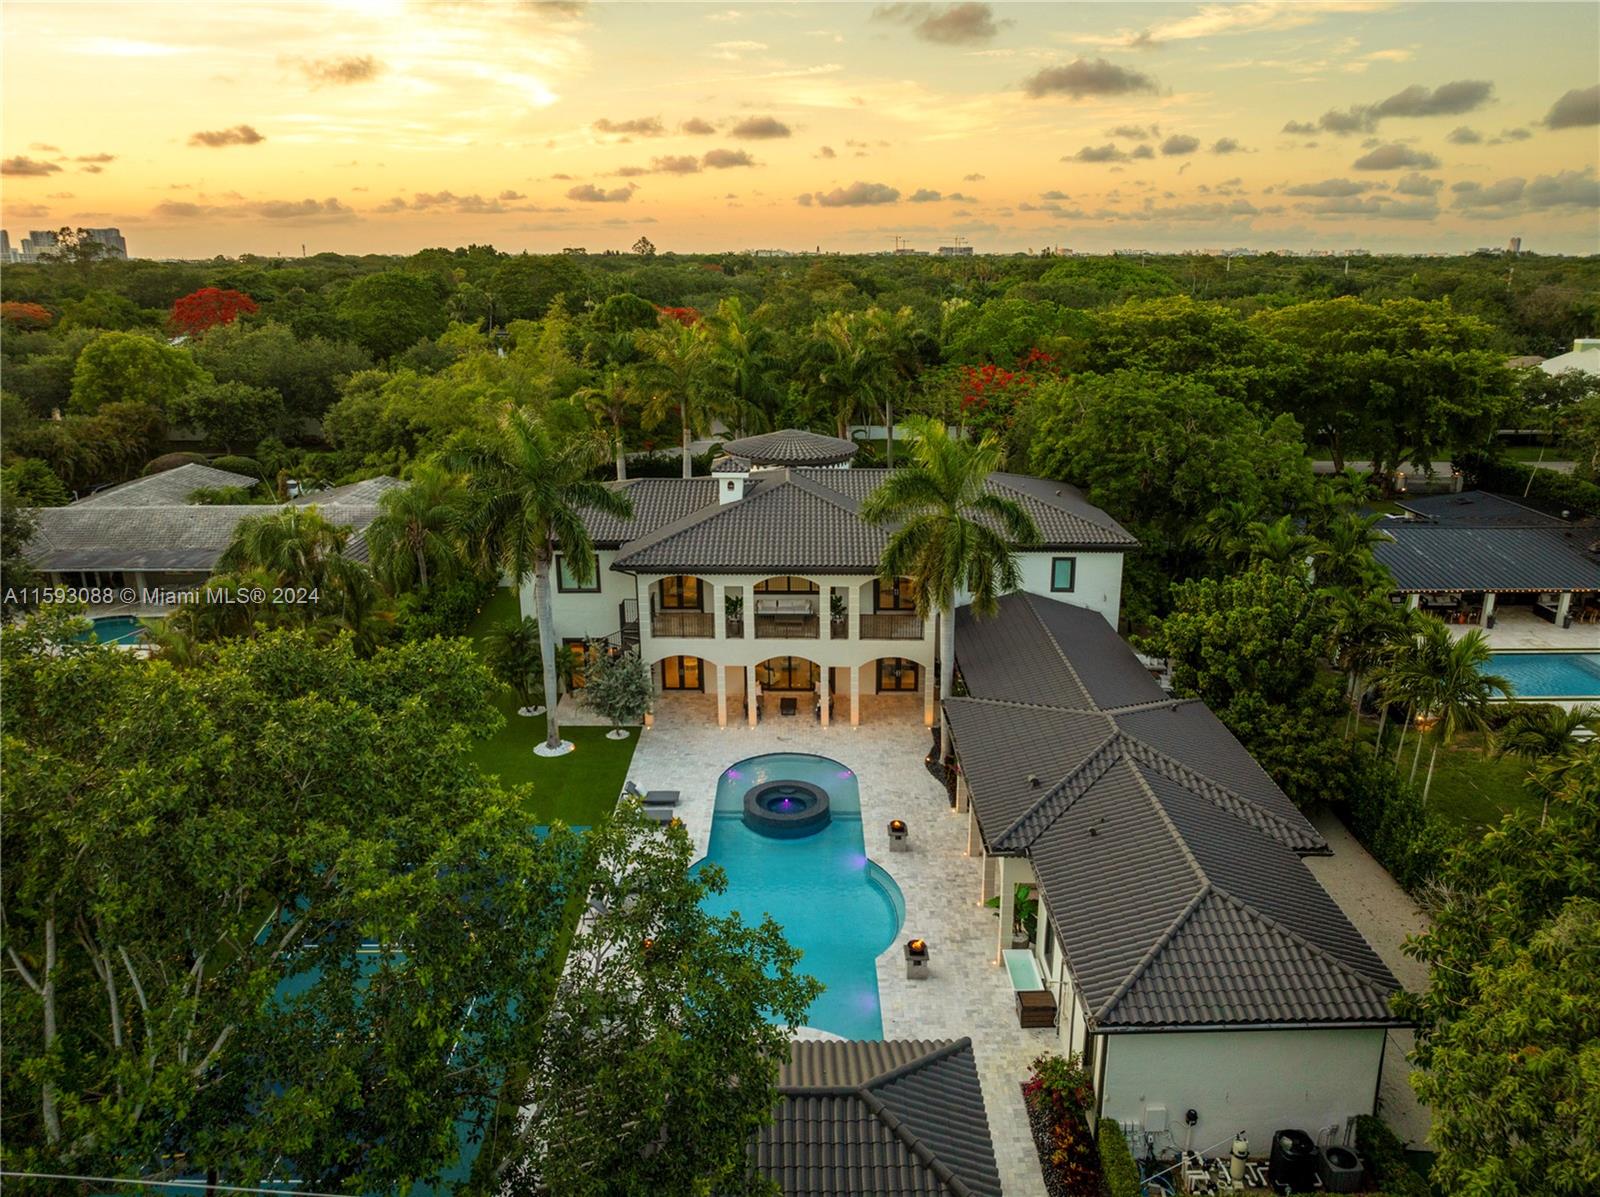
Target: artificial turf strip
578,788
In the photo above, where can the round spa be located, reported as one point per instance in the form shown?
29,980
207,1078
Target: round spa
786,809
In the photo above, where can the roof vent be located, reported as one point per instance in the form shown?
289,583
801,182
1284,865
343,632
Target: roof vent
1033,780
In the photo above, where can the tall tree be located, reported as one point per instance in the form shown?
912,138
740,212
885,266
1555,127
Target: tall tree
256,913
845,369
677,354
413,541
1553,740
659,1061
1459,694
525,499
617,392
952,534
898,338
123,367
742,363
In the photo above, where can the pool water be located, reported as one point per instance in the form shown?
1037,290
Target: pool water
1549,675
116,629
840,909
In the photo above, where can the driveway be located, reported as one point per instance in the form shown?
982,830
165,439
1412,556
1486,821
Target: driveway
1386,915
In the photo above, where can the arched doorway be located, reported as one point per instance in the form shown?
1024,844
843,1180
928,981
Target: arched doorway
788,674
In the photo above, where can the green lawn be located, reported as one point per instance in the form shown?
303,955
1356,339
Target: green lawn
1471,790
1529,454
577,788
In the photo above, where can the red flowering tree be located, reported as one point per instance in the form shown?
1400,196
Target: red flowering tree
209,307
687,316
26,315
990,395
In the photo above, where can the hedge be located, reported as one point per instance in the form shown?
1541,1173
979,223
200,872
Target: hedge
445,610
1116,1161
1388,817
171,461
1385,1159
1551,491
236,464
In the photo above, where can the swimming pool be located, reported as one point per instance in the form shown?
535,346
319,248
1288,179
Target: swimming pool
1549,675
116,629
839,908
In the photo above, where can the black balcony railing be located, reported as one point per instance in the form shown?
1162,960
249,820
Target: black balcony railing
682,623
882,626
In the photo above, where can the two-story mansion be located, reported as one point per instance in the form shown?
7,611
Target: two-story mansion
759,584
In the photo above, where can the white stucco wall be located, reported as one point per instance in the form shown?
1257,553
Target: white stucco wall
1257,1081
1097,582
582,614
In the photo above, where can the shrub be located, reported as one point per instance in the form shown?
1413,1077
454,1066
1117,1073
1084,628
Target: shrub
1058,1092
1385,1159
1388,817
1116,1161
618,685
1550,491
171,461
237,464
445,610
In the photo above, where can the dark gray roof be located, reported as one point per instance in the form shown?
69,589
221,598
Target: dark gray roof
1451,557
1477,508
656,502
1168,859
167,489
896,1117
365,493
784,524
791,447
797,519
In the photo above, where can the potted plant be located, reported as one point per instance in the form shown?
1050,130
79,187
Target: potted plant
511,650
1024,915
838,607
733,608
619,686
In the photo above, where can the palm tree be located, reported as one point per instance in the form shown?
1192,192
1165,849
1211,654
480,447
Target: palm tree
1225,533
299,549
899,340
1362,624
1279,543
525,501
1459,695
845,368
952,534
1343,552
513,650
1548,738
1406,677
617,392
674,371
413,539
741,360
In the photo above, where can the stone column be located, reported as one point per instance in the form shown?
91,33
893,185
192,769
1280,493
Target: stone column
963,793
855,696
722,695
974,834
719,618
927,696
852,601
1488,608
1563,608
1008,905
823,695
1413,601
750,692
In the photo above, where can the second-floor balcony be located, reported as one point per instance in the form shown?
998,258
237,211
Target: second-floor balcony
786,618
882,625
687,624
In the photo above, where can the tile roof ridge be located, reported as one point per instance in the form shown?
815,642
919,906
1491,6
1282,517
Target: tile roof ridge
688,520
1205,787
1028,598
1100,760
1155,949
1025,705
902,1130
947,1048
1107,524
1311,945
1153,704
1183,916
817,490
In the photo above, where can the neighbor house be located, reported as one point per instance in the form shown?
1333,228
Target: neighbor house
146,536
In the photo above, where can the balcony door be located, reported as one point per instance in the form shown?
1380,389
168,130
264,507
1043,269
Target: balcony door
682,592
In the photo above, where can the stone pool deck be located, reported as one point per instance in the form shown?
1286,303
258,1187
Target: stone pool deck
967,994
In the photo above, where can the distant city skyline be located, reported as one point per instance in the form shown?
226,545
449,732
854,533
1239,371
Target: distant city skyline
387,126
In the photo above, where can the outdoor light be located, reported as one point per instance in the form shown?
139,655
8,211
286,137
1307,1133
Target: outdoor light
916,960
897,835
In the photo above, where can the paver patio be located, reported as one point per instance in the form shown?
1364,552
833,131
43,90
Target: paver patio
967,993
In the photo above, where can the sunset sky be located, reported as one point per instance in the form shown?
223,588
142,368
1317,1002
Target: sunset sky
390,125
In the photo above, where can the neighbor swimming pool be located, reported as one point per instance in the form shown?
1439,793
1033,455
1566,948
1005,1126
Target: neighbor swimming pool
1549,675
839,908
116,629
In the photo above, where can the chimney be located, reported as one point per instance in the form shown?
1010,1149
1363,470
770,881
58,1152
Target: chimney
730,487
